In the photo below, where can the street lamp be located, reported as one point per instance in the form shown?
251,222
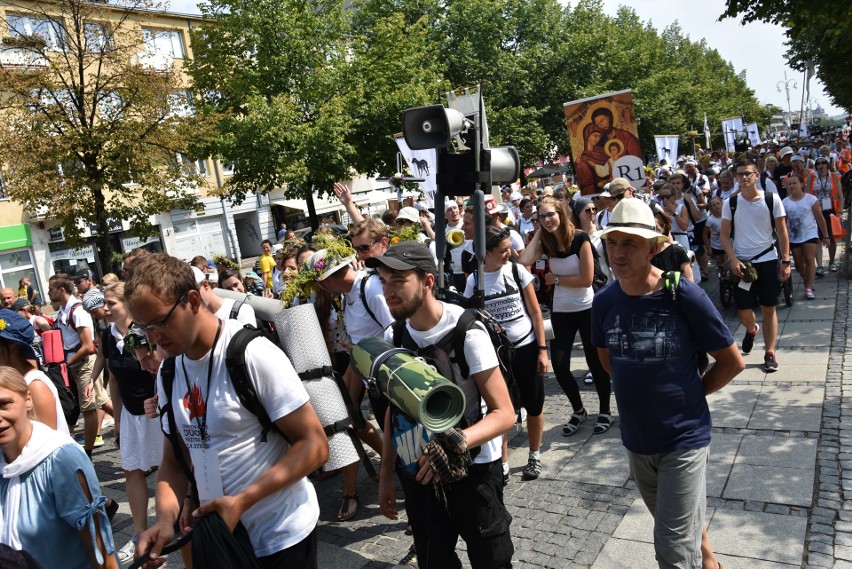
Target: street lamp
786,86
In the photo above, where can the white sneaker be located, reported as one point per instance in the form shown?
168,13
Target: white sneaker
128,552
107,423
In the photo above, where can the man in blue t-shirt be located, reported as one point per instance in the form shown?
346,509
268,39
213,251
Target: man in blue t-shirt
646,337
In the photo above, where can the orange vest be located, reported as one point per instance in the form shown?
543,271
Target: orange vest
835,194
845,162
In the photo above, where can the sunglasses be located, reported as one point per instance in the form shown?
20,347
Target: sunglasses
619,197
665,196
365,248
822,163
154,326
590,210
134,341
503,233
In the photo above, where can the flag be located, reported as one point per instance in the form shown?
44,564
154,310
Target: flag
706,133
753,134
667,147
730,129
423,164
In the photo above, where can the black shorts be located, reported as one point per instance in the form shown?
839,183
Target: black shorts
764,291
530,383
797,245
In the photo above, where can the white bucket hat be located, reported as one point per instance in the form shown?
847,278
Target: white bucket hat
633,216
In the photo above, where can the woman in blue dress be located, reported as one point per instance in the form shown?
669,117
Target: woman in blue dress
50,503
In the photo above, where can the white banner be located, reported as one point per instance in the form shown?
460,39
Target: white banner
803,130
753,134
423,164
667,147
730,129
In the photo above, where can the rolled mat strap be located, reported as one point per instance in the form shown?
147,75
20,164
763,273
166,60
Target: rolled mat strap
316,373
337,427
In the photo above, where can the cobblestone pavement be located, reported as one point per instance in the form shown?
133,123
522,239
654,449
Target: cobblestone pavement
779,482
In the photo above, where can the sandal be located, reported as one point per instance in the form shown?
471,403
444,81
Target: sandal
603,423
574,423
344,514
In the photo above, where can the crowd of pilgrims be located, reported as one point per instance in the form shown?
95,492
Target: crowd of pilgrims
544,262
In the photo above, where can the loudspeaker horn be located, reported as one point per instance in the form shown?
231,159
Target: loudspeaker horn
431,127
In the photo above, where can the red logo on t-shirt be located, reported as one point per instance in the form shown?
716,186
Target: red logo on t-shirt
194,402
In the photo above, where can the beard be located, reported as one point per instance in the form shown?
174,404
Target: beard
406,309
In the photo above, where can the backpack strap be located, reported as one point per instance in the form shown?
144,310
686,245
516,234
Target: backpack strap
167,375
466,322
733,201
235,309
364,297
235,361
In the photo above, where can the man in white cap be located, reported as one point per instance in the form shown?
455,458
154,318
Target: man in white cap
784,168
667,448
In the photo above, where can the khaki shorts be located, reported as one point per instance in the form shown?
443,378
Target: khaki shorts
82,373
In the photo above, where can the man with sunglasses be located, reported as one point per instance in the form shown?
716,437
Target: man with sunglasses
826,186
752,241
260,485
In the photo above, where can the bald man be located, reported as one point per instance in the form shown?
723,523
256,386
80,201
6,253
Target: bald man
7,297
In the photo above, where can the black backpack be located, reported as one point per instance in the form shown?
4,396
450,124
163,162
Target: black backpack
66,390
450,348
671,282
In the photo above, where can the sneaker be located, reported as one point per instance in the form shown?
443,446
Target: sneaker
809,294
128,552
107,423
505,479
820,272
770,364
589,380
532,470
832,266
99,441
748,340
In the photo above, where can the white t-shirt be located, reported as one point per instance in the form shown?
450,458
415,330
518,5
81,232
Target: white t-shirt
569,299
359,324
753,227
286,517
505,302
770,187
715,225
81,318
525,226
245,315
516,241
480,356
38,375
800,218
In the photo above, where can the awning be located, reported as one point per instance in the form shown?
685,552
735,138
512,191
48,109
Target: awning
321,205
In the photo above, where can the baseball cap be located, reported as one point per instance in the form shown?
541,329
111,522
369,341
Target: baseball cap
405,256
618,186
20,304
15,328
492,207
84,274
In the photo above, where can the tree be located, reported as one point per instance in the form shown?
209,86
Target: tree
818,34
310,97
89,131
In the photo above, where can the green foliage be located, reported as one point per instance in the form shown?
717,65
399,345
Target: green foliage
818,33
88,134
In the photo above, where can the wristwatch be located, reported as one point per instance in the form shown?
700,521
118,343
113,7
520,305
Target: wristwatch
785,262
556,280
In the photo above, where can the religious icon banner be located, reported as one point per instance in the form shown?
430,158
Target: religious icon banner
604,141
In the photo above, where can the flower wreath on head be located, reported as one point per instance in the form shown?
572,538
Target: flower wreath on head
224,261
407,233
304,284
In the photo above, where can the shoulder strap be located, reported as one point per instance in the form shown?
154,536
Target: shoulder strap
466,322
364,297
770,202
399,332
671,280
167,374
235,309
235,361
733,202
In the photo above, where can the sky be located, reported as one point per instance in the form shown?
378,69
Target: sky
757,48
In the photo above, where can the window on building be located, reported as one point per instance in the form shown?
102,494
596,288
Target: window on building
181,103
50,31
16,265
228,169
98,37
110,106
201,168
163,42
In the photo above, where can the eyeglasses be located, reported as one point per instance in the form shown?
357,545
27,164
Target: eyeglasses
822,163
746,174
365,248
154,326
590,210
548,215
534,219
619,197
664,196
